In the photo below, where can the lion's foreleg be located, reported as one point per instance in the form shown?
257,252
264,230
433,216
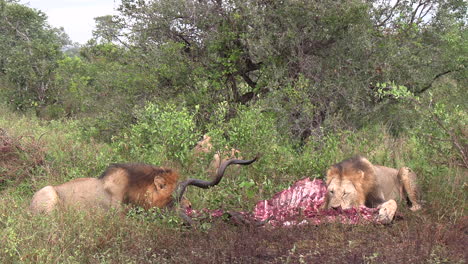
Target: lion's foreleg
387,211
407,179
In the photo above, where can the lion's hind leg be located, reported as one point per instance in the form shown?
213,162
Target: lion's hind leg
407,179
45,200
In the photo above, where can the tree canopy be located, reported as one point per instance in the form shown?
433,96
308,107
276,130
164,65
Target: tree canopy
308,63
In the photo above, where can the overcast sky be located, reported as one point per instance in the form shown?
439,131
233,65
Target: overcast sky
75,16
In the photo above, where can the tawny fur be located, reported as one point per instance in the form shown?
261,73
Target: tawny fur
205,146
371,185
136,184
359,171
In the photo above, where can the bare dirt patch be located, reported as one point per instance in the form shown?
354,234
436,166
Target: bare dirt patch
413,240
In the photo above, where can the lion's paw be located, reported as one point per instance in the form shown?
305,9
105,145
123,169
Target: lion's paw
415,207
387,211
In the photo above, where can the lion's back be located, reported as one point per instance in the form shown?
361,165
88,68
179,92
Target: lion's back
86,192
387,182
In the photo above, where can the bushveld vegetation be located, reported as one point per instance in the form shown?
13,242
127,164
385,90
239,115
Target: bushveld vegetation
303,84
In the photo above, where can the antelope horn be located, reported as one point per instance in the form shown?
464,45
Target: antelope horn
208,184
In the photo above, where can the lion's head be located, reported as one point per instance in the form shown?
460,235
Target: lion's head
158,188
349,182
341,193
204,145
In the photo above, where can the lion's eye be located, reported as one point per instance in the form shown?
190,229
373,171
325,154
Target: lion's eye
331,191
344,194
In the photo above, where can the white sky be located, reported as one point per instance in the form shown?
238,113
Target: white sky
75,16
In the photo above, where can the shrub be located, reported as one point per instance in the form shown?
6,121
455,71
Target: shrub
19,157
161,131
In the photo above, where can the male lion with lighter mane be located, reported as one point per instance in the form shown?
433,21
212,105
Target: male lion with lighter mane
356,181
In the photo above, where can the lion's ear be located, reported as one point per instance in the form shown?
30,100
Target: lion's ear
160,183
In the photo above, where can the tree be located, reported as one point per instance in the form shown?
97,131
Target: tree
207,39
107,29
29,50
306,61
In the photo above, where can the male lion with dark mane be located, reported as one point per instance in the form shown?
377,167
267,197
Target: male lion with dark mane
135,184
356,182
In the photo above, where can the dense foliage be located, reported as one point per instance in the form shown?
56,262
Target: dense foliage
302,84
309,64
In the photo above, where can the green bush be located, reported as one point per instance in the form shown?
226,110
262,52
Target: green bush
161,132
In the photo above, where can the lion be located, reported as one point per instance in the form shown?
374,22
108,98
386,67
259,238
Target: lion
356,182
204,146
134,184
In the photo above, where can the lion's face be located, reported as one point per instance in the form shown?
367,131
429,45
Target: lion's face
204,145
159,194
341,193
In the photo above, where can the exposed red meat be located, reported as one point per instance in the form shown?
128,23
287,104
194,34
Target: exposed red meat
299,204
